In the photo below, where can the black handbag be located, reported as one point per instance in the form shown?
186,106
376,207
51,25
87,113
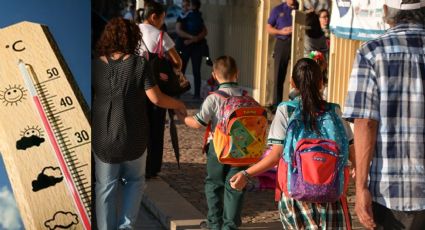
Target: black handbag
169,82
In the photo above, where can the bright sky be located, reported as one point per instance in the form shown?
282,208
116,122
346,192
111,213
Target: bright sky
69,22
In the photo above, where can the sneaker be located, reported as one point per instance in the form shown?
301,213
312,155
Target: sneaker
204,225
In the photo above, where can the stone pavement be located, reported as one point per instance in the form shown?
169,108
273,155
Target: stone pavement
259,210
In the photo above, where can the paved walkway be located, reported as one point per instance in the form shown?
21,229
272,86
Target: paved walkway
147,220
259,211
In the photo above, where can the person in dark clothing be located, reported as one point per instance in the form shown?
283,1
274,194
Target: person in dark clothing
153,20
122,83
191,41
280,25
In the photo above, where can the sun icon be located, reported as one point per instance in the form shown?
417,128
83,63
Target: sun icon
12,95
32,131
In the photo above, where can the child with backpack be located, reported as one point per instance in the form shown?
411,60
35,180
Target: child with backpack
223,159
310,144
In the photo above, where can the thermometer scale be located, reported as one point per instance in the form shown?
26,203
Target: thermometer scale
44,131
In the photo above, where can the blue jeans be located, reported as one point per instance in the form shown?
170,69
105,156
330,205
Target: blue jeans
115,182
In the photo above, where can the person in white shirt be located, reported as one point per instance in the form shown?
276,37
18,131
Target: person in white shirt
153,19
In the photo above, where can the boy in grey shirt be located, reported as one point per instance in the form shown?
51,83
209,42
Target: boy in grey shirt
224,203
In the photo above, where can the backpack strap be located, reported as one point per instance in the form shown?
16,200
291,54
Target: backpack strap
221,94
206,135
292,106
293,103
146,53
158,48
333,106
224,95
345,211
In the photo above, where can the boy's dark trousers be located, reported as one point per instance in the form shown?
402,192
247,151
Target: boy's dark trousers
155,148
224,203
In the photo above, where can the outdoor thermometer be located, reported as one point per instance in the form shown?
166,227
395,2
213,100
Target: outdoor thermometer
45,134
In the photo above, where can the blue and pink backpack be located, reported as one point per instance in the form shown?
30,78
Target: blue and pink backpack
313,166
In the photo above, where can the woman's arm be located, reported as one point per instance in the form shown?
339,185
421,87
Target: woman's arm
175,58
162,100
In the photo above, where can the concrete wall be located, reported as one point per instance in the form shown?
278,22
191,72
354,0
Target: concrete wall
237,28
232,28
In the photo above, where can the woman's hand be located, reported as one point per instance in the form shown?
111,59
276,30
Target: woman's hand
181,114
238,181
182,109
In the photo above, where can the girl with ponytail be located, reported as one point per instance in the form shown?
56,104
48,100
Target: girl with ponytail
308,80
296,214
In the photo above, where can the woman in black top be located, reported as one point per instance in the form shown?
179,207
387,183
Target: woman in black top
121,82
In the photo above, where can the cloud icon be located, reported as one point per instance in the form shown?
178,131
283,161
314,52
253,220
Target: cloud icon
30,137
62,220
27,142
49,176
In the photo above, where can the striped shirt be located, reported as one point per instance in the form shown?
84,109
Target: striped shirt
387,85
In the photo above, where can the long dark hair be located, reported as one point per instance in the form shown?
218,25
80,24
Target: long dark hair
314,30
152,8
196,4
119,35
307,78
